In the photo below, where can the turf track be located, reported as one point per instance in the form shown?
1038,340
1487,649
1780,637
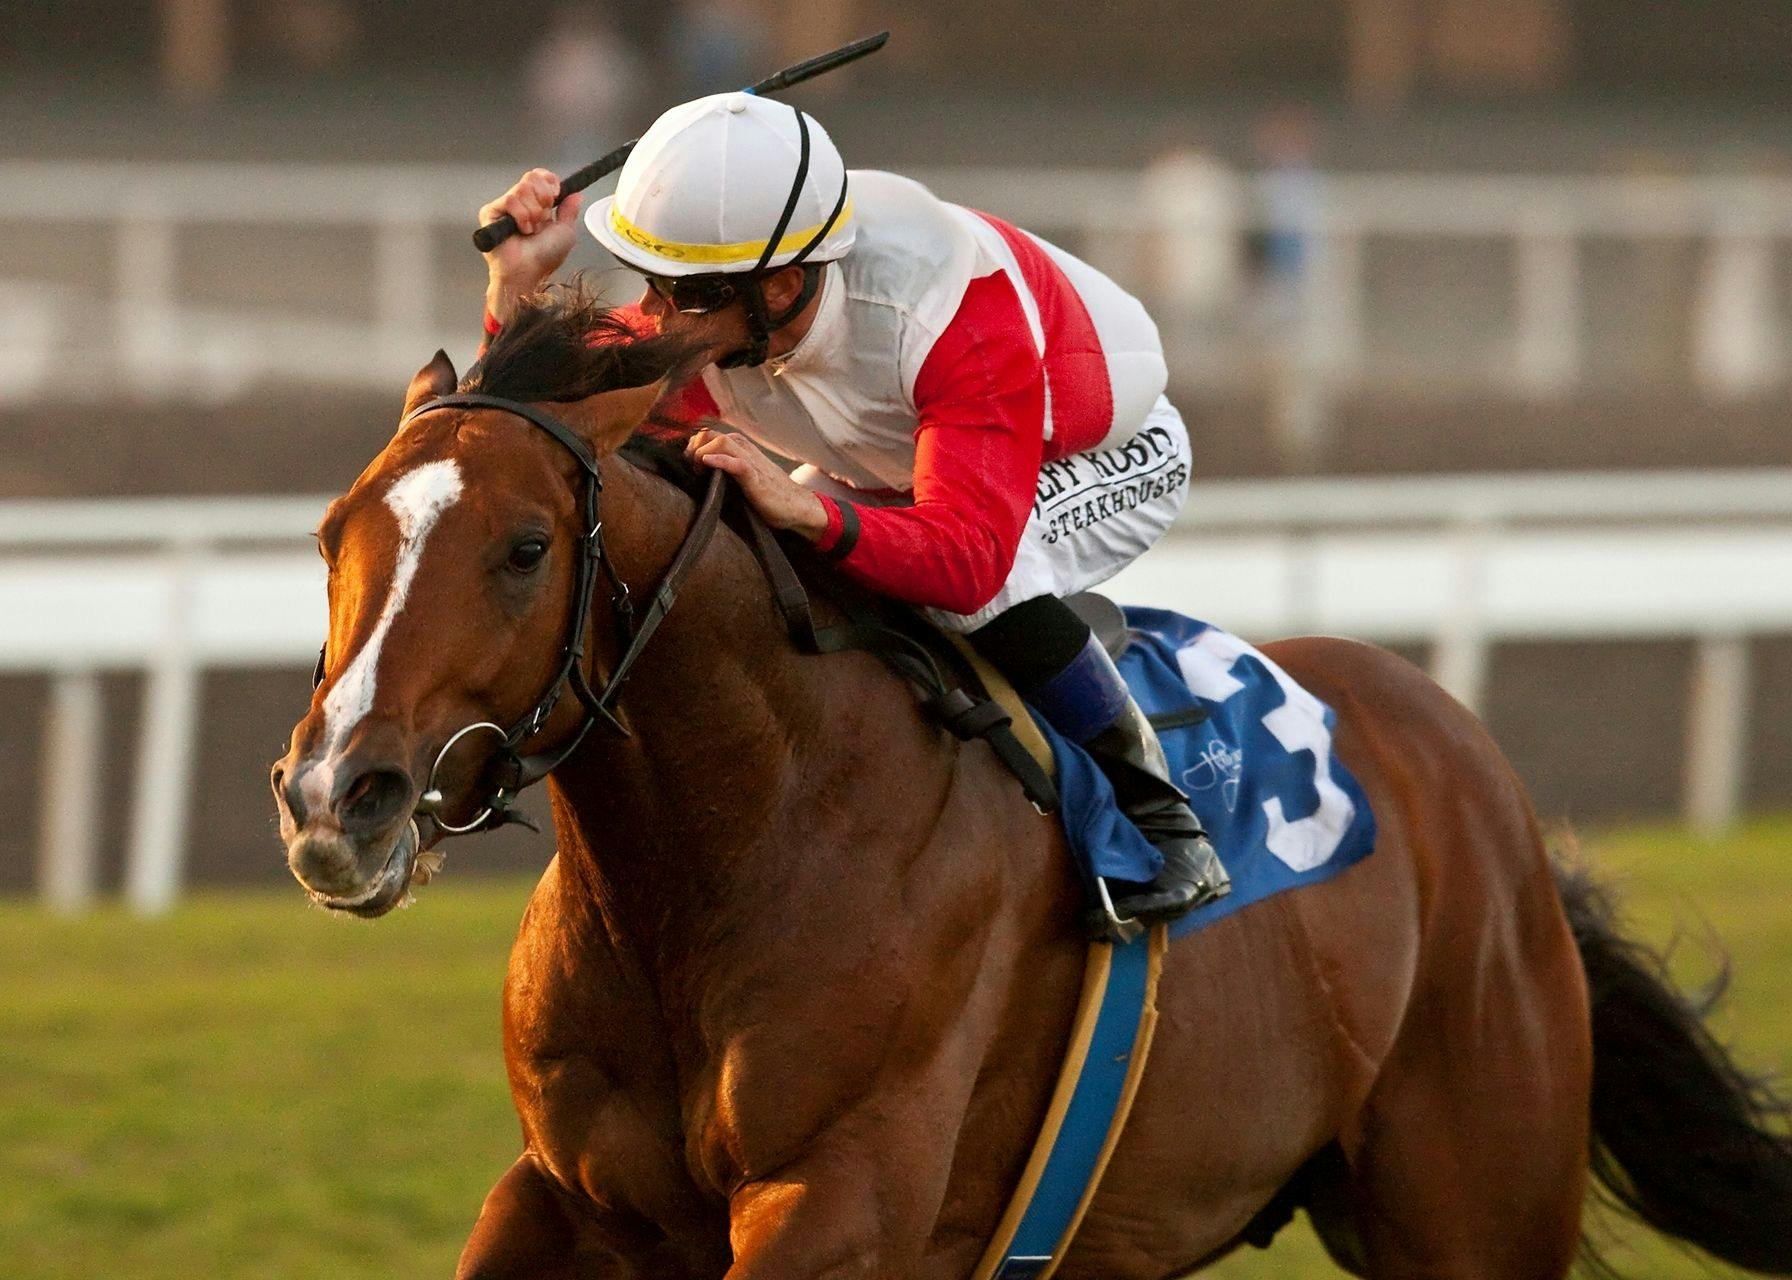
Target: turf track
251,1089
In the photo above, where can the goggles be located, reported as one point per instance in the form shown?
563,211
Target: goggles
694,295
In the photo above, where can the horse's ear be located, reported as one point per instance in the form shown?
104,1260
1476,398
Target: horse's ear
609,418
437,378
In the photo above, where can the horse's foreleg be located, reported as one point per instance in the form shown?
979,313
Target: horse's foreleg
523,1230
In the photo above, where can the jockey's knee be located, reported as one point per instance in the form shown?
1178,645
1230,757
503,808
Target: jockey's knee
1032,641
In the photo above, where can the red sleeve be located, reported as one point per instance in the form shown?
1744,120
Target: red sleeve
980,396
679,414
689,405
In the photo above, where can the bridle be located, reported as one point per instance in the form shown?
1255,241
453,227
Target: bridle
509,772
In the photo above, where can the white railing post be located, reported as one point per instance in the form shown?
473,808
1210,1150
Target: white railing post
146,290
1334,310
1300,585
1717,733
1193,208
404,281
1325,346
1459,653
66,862
1736,333
165,755
1547,354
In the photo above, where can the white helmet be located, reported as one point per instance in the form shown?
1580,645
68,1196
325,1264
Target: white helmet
728,183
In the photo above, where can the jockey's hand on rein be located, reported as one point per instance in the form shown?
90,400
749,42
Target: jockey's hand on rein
780,501
545,236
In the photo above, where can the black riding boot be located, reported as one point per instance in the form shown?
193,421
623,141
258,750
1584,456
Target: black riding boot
1062,669
1133,760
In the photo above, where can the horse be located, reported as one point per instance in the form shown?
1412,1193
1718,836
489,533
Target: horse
789,998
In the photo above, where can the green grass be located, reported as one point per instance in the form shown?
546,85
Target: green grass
249,1088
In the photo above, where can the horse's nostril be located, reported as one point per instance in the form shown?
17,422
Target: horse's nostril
289,794
373,799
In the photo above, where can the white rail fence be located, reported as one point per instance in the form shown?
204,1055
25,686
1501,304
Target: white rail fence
403,230
167,587
175,587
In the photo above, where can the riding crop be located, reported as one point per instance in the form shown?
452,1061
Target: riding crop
495,233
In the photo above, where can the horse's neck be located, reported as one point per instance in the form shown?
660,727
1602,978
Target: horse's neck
782,833
695,822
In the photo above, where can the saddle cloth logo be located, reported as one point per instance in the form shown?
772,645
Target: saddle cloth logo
1217,766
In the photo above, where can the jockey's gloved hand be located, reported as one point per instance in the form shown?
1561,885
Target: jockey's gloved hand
780,501
545,235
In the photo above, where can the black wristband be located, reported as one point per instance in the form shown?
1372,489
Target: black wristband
849,532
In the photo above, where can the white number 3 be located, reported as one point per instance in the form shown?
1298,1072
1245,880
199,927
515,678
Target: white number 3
1299,725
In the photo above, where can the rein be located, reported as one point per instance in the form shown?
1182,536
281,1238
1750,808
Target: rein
511,772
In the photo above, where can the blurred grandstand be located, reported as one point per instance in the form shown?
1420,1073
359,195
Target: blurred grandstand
1484,239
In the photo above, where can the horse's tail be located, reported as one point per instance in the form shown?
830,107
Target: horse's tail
1683,1138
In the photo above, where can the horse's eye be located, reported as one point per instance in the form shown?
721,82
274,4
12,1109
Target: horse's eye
526,555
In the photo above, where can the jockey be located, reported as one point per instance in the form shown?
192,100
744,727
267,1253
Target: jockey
980,416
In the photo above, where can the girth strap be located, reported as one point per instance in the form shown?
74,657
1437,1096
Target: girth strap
989,720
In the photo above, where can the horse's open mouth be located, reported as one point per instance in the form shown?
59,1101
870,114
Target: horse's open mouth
388,889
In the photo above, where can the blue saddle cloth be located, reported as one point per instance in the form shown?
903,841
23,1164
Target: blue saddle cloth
1257,764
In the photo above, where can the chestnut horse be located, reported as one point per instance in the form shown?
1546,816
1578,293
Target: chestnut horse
789,1002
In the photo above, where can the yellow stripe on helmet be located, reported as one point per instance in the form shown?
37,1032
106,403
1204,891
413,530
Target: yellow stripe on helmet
721,254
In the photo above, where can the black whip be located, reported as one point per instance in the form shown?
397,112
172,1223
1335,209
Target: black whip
493,234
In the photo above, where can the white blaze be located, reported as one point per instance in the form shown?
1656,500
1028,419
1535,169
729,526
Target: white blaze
418,498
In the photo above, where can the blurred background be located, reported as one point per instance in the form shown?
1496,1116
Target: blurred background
1477,310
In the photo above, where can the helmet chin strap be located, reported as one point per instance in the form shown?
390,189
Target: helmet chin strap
760,325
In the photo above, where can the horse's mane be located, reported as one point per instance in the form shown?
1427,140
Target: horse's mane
565,343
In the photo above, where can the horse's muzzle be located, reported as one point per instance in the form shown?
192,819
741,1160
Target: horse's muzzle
331,871
350,839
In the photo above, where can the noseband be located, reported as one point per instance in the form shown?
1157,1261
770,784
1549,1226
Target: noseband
509,772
